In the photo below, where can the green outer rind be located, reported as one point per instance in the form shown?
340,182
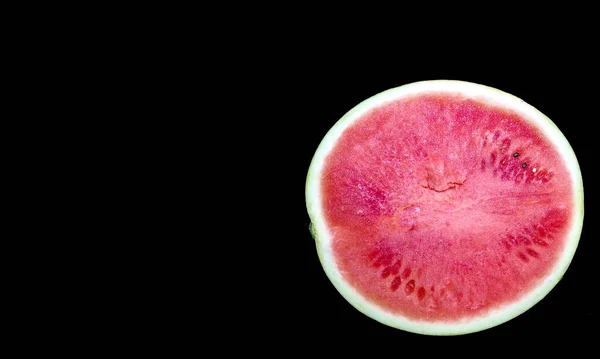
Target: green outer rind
496,317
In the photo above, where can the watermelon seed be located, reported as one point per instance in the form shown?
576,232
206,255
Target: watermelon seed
410,287
421,293
396,283
516,154
524,164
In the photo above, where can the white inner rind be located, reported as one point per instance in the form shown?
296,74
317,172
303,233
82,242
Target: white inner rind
468,325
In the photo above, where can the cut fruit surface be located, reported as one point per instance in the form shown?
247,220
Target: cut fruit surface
444,207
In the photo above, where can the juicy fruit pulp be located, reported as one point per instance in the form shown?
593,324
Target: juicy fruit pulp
436,209
487,206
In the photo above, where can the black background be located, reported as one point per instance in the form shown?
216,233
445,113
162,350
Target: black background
316,91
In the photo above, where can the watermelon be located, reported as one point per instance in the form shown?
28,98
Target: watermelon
444,207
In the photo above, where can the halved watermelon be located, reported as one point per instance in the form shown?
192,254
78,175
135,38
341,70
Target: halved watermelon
444,207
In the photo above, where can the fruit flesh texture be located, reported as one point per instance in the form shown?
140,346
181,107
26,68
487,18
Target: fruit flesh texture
442,208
